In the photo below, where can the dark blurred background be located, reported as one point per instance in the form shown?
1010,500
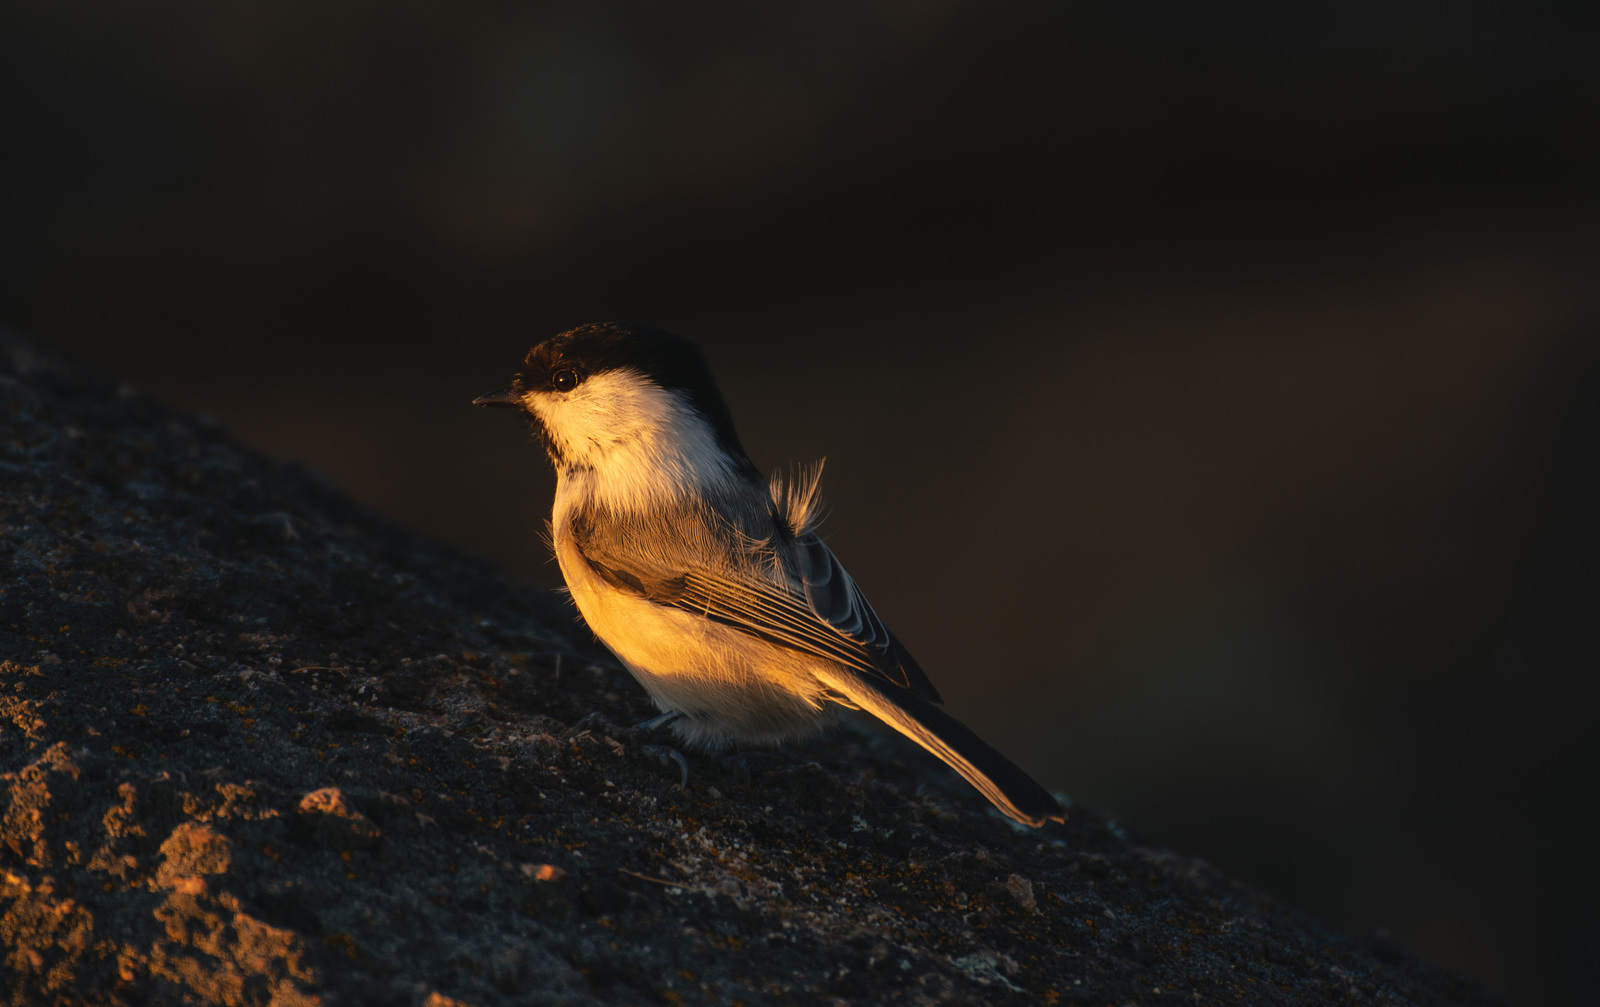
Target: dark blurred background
1211,393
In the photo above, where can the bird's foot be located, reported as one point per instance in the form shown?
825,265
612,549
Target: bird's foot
660,721
738,764
667,756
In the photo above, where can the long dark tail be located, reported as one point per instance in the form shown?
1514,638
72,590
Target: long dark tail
996,777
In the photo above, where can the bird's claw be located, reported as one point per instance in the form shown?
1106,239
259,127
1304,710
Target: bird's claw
594,720
669,755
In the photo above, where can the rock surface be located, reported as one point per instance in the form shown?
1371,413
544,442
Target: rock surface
260,747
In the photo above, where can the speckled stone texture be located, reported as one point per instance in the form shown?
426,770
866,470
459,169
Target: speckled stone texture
260,747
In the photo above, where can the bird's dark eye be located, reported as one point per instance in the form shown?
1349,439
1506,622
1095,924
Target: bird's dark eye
565,380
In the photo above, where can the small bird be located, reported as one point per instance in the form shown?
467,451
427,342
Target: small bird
710,585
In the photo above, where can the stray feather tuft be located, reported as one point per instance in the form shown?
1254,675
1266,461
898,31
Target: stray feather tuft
798,500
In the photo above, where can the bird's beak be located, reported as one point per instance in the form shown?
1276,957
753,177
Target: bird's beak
504,398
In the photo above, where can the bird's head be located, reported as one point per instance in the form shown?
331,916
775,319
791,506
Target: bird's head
628,403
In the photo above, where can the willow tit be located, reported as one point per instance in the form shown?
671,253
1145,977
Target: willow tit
711,586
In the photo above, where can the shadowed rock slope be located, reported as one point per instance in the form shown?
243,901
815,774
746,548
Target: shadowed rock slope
260,747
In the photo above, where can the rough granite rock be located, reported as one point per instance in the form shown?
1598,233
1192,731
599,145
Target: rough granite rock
261,747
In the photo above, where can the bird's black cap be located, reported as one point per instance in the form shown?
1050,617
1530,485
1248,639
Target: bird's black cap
670,361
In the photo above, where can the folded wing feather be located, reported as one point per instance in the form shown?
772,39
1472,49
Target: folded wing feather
789,591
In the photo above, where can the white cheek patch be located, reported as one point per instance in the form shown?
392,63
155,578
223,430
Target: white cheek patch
640,441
